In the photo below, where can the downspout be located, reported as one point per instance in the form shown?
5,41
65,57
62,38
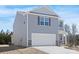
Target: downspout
27,29
58,33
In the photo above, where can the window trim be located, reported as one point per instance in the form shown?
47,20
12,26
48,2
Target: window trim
44,20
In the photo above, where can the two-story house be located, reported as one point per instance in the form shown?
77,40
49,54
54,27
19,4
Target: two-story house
38,27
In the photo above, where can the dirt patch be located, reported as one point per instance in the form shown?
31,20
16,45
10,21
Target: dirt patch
6,49
31,51
73,48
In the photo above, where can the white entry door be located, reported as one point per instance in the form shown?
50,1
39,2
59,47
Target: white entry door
43,39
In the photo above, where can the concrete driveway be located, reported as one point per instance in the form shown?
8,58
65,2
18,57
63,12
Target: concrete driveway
6,49
56,50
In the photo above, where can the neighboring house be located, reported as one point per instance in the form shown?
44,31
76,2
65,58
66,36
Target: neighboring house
38,27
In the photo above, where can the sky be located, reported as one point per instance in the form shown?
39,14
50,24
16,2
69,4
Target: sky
68,13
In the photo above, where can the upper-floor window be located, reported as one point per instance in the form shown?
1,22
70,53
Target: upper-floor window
46,21
42,20
61,24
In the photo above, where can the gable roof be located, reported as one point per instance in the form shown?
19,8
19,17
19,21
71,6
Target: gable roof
45,10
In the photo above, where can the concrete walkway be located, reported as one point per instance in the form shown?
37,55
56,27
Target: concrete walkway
56,50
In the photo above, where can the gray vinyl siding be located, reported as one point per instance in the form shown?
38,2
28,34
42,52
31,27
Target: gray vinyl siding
20,30
35,28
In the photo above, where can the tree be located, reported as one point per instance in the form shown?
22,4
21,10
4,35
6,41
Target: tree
7,32
69,36
5,37
2,36
67,29
2,31
72,37
74,30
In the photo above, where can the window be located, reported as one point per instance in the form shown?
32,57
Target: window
41,20
44,21
61,24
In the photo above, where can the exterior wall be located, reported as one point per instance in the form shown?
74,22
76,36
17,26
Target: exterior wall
20,30
35,28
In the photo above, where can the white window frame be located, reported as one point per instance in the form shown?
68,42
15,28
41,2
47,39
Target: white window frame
44,20
41,20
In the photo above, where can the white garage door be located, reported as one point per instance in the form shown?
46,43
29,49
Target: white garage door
43,39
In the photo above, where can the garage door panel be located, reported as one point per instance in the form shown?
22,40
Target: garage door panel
43,39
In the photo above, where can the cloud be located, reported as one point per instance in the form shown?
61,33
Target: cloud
7,16
69,14
7,25
5,10
69,17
